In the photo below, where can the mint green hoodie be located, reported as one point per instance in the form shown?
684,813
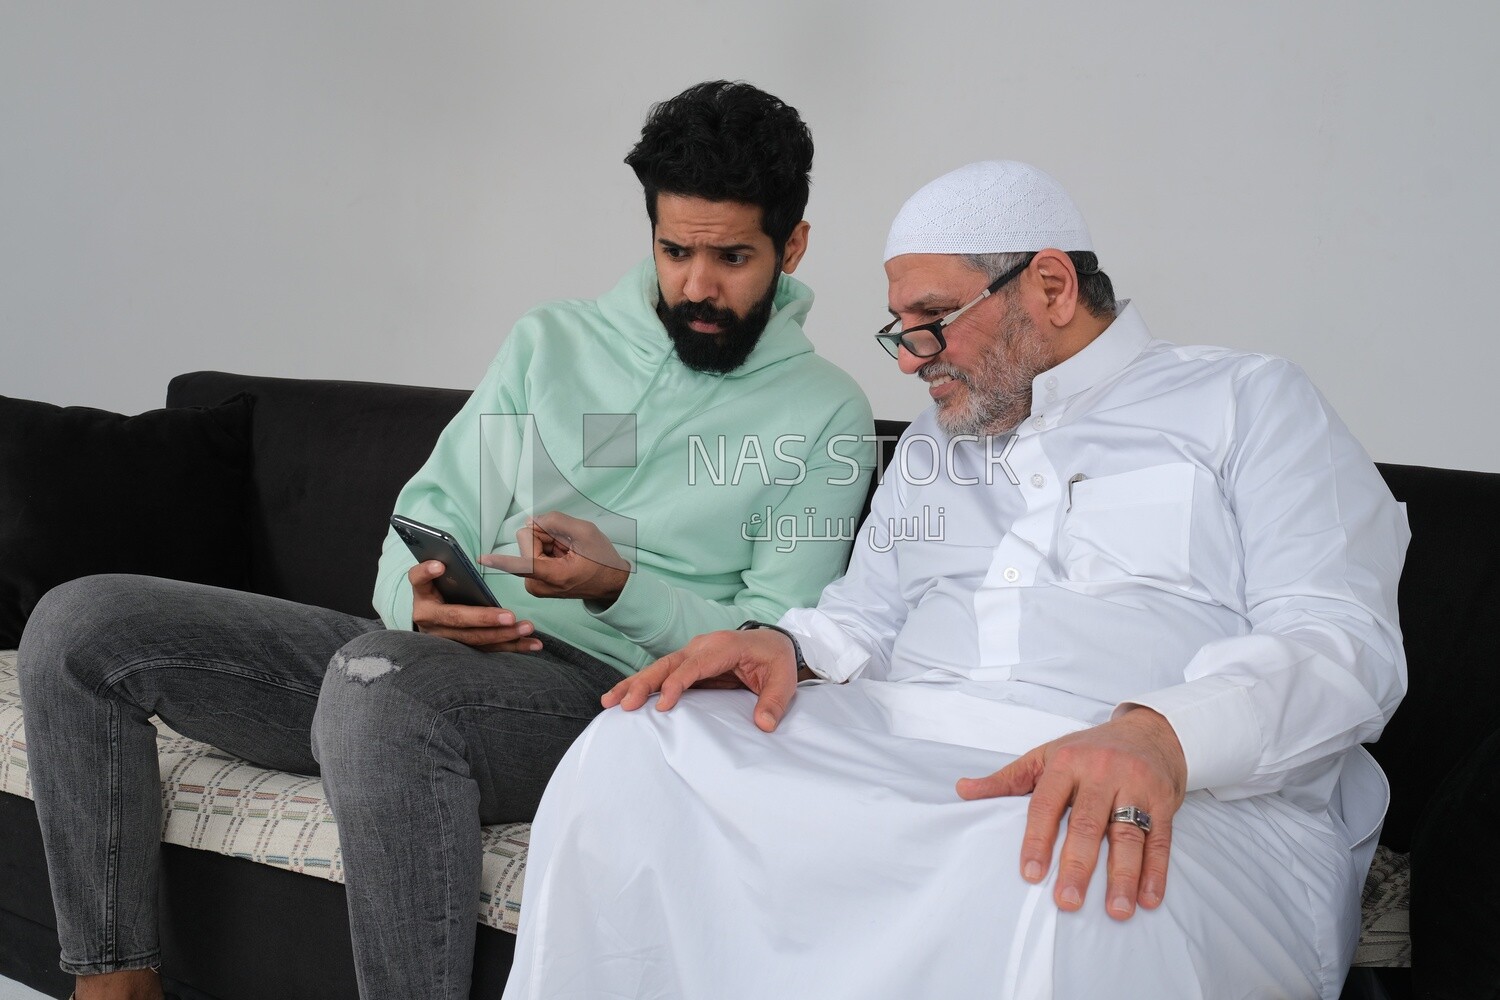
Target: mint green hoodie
709,485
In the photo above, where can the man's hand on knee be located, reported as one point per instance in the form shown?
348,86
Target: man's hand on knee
763,661
1132,760
489,629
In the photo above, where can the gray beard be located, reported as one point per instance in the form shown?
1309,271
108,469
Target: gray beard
998,395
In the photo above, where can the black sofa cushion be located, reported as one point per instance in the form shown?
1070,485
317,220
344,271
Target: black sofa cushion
86,491
329,459
1455,897
1450,588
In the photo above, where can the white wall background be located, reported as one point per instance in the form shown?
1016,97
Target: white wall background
376,190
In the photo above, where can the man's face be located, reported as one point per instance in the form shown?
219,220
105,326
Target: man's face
981,382
717,272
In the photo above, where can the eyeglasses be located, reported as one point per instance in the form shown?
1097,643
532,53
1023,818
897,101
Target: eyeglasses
927,340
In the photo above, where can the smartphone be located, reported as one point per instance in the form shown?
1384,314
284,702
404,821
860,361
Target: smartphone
461,583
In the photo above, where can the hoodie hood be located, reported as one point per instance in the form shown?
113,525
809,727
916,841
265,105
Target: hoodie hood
630,307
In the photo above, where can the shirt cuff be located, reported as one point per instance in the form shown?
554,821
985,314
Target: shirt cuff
1216,725
826,648
643,610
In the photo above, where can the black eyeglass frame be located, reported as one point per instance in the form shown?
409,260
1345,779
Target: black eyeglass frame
893,341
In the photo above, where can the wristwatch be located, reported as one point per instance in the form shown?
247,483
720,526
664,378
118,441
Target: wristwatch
796,646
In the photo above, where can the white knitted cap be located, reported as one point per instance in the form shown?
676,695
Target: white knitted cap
997,206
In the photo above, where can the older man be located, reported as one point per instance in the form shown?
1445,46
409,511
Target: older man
1147,593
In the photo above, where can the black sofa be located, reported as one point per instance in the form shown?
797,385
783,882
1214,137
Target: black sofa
328,460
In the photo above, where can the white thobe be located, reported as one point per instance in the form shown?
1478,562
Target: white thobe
1186,528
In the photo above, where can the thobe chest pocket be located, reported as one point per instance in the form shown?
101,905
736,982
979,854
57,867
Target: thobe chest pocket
1134,525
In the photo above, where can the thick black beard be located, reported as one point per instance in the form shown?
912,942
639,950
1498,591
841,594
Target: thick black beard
720,352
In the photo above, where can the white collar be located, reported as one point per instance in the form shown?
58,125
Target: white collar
1106,355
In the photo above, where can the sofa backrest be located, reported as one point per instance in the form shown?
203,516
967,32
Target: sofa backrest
329,458
1449,589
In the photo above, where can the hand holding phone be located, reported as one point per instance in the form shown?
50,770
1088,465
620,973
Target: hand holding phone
461,582
450,597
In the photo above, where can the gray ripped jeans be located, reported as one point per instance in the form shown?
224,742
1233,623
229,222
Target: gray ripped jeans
420,740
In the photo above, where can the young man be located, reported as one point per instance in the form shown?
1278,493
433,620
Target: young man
1148,592
594,441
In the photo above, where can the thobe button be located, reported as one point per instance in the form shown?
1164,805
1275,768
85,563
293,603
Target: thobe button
1038,480
1051,382
1039,422
1012,574
1051,397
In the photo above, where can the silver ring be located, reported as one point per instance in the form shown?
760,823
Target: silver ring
1131,814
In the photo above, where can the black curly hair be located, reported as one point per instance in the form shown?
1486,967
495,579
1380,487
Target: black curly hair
728,141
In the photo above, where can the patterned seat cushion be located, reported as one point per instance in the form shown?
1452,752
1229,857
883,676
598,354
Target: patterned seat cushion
1385,930
214,802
